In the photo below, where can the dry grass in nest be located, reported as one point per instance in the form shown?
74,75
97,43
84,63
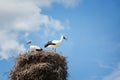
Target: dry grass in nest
43,65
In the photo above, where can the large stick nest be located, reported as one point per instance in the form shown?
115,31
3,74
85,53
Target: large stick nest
43,65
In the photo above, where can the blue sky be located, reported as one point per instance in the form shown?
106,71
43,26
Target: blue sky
91,26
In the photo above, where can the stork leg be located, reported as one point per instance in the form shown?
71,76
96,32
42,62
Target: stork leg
55,49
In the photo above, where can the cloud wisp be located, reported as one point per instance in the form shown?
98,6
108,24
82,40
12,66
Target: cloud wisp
114,75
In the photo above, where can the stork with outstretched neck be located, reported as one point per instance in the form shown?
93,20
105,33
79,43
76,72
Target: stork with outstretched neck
55,43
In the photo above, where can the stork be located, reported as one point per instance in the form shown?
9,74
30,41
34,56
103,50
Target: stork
54,43
34,48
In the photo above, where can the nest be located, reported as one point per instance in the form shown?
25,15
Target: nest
43,65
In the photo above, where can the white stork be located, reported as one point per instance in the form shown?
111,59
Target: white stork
54,43
34,48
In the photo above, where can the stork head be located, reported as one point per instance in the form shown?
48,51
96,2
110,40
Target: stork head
30,42
63,37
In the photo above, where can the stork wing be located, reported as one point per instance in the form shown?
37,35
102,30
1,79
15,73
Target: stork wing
39,49
49,43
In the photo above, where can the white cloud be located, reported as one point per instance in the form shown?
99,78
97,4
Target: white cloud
102,64
69,3
9,44
66,3
18,16
25,15
114,75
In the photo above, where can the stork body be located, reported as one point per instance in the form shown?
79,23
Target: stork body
54,43
34,48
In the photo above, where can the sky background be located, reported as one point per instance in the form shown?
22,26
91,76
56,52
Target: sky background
91,26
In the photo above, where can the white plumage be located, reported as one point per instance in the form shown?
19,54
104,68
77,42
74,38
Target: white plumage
34,48
54,43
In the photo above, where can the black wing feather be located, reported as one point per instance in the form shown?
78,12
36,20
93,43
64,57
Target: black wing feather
39,49
49,43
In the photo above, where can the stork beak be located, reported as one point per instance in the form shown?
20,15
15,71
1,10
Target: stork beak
28,42
66,39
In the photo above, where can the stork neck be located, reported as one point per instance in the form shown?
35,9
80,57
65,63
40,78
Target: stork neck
61,39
